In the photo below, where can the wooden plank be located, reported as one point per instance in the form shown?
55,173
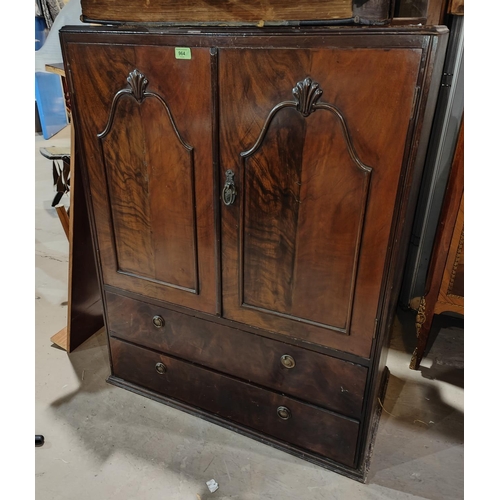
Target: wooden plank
85,313
57,68
249,11
61,339
64,218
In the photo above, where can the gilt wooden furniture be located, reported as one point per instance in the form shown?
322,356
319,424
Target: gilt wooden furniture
250,196
445,278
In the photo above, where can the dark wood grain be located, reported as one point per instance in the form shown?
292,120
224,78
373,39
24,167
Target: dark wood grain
324,380
312,428
301,234
150,182
152,196
299,267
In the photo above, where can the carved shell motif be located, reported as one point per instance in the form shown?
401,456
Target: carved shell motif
138,83
307,94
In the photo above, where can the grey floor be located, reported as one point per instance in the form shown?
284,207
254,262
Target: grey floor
102,442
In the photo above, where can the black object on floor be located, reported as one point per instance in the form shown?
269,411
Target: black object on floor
39,440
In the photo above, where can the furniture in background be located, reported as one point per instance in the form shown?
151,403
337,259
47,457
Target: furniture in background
445,279
438,162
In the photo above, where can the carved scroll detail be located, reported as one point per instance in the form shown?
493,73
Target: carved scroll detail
137,88
307,94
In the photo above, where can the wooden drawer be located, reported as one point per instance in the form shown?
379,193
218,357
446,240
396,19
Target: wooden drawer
306,426
323,380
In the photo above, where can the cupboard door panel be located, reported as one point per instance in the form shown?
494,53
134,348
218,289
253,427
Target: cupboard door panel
316,153
147,142
297,226
150,184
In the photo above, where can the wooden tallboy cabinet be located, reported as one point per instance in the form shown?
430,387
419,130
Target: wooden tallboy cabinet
250,195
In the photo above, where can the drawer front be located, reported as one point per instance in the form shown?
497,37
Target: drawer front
317,378
286,419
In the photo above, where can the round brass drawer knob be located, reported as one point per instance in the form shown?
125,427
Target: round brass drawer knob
284,413
287,361
161,368
158,321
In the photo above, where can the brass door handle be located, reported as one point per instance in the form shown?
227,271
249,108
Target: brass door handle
229,191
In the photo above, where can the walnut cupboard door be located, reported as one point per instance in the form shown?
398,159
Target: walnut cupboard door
146,133
311,156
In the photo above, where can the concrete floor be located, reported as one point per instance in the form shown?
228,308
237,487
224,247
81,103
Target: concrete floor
103,442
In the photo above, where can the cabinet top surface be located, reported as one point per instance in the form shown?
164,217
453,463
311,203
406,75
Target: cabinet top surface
256,32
